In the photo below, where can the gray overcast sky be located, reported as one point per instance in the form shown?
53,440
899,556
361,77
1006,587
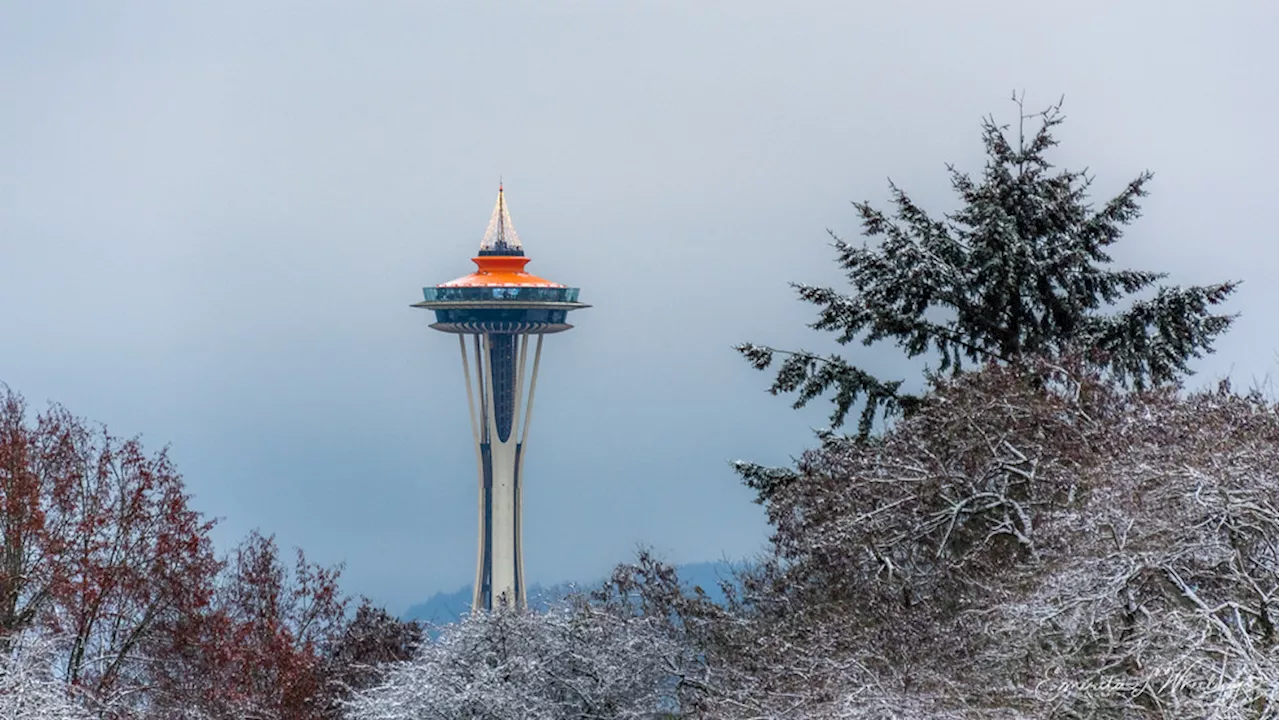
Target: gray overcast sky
215,215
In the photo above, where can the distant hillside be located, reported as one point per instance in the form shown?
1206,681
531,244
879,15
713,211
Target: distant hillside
443,608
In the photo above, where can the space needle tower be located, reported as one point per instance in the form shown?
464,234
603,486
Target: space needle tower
495,312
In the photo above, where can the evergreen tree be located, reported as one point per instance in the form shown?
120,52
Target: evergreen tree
1021,270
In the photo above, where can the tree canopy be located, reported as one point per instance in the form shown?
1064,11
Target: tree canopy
1021,269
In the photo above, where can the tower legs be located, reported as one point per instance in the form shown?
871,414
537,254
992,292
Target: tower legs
495,404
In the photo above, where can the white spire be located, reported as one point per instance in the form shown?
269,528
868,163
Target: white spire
501,234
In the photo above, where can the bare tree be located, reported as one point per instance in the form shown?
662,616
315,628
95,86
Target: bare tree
365,649
30,688
1033,541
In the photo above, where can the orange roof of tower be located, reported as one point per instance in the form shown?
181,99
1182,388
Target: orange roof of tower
501,260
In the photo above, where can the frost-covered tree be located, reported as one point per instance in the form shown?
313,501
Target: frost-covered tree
359,656
1021,268
572,662
30,688
1033,542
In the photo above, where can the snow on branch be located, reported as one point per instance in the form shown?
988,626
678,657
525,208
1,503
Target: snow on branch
570,662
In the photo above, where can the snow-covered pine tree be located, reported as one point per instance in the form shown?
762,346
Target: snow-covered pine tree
1020,270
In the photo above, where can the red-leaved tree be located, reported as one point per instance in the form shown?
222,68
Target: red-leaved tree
104,556
101,548
259,651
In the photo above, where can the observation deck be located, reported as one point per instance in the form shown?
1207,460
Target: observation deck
500,297
500,302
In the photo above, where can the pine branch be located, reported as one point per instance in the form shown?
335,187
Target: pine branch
810,376
1152,342
766,481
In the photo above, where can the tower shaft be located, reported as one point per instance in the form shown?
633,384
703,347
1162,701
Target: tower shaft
500,414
